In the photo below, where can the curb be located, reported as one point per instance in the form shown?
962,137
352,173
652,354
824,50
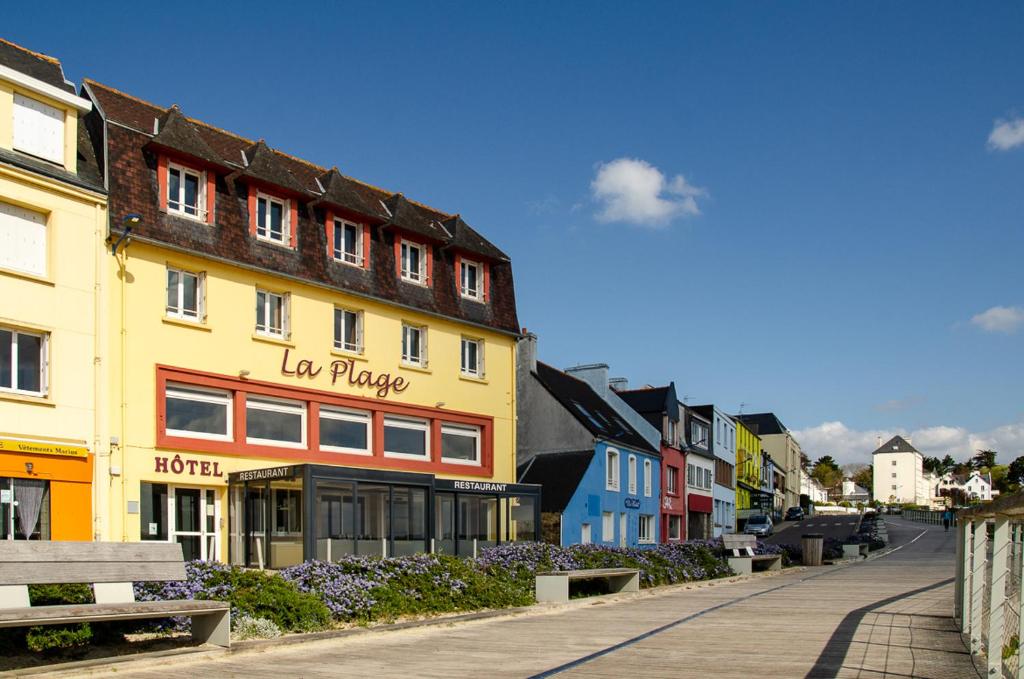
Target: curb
193,653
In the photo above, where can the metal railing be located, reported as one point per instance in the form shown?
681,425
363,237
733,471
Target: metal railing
989,569
923,516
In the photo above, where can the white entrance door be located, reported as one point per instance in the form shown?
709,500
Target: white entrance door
623,528
195,522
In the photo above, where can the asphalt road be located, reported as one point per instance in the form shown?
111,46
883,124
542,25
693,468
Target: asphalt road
837,526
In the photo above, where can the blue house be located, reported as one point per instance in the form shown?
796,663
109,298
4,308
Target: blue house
601,478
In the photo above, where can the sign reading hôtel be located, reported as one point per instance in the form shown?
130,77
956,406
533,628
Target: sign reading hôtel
345,369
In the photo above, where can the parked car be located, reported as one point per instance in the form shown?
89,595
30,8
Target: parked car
759,524
795,514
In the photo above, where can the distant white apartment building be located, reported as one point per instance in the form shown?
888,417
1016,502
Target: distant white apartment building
899,475
810,487
976,486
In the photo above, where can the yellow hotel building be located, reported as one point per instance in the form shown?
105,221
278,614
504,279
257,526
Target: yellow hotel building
306,366
748,474
53,221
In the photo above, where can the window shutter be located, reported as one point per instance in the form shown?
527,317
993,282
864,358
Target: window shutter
44,364
480,358
286,321
38,129
423,345
359,331
201,294
22,239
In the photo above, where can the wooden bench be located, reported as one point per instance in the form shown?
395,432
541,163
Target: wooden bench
111,568
553,587
743,558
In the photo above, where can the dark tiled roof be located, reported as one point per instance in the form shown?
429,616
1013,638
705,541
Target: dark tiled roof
133,188
762,424
559,474
35,65
465,237
340,191
592,411
652,400
177,133
897,444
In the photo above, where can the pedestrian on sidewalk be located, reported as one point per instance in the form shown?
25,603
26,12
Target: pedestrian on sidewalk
947,518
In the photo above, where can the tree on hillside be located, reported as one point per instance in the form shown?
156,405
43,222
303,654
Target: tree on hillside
932,464
984,458
948,463
1016,471
865,478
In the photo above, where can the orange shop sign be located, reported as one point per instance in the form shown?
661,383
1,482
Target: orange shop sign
42,448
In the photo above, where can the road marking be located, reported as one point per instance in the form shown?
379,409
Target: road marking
838,523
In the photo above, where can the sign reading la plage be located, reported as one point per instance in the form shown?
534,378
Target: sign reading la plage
344,370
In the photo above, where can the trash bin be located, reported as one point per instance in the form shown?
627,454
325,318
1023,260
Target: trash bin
812,545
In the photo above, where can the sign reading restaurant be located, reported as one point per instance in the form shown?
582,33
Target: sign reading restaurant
485,486
345,368
264,474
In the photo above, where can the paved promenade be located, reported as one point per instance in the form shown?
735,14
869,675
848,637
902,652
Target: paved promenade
886,617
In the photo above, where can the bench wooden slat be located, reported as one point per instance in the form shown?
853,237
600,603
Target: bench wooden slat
43,562
593,572
13,573
55,615
738,540
45,551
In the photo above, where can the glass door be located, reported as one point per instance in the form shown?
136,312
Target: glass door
195,523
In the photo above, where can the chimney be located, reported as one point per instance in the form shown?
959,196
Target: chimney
594,374
618,383
528,351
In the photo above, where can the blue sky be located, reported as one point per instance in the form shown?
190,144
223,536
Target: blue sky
794,206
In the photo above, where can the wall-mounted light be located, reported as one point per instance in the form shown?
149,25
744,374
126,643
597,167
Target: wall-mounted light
243,374
439,404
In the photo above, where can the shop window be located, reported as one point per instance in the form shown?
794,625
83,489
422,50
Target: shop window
38,129
472,363
478,522
186,191
406,437
608,527
414,345
198,413
648,478
414,262
471,283
23,362
348,243
675,527
631,470
348,330
272,219
460,444
345,431
22,240
24,509
611,469
272,314
185,294
646,529
275,422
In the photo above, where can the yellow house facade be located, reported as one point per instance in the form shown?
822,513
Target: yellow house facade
53,221
307,366
748,471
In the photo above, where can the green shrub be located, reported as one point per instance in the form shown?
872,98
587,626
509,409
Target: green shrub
264,595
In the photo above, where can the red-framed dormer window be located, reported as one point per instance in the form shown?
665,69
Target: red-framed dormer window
474,279
348,242
414,261
186,190
273,218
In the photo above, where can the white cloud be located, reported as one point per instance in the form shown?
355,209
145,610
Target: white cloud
633,190
1000,319
1007,134
850,446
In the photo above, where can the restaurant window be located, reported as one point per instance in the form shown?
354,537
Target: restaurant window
275,422
272,314
471,284
186,192
348,242
24,509
23,362
185,294
286,548
472,363
460,444
414,345
272,217
198,413
408,520
186,515
23,240
414,262
406,437
345,431
348,330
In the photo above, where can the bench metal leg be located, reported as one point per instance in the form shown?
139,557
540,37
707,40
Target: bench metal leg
624,583
552,589
775,565
742,565
212,628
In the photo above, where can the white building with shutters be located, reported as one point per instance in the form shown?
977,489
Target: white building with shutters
53,228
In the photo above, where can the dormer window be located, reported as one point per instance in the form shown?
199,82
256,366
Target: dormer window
272,219
348,242
38,129
414,262
186,192
471,280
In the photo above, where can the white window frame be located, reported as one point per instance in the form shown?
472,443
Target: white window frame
33,108
478,372
346,415
179,311
188,392
612,469
648,478
607,526
645,537
631,474
407,358
418,277
24,227
266,331
696,427
464,290
467,430
286,218
414,423
586,534
339,342
200,175
278,405
672,480
44,362
340,255
678,520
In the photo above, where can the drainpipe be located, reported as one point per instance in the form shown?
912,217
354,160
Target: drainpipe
129,222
